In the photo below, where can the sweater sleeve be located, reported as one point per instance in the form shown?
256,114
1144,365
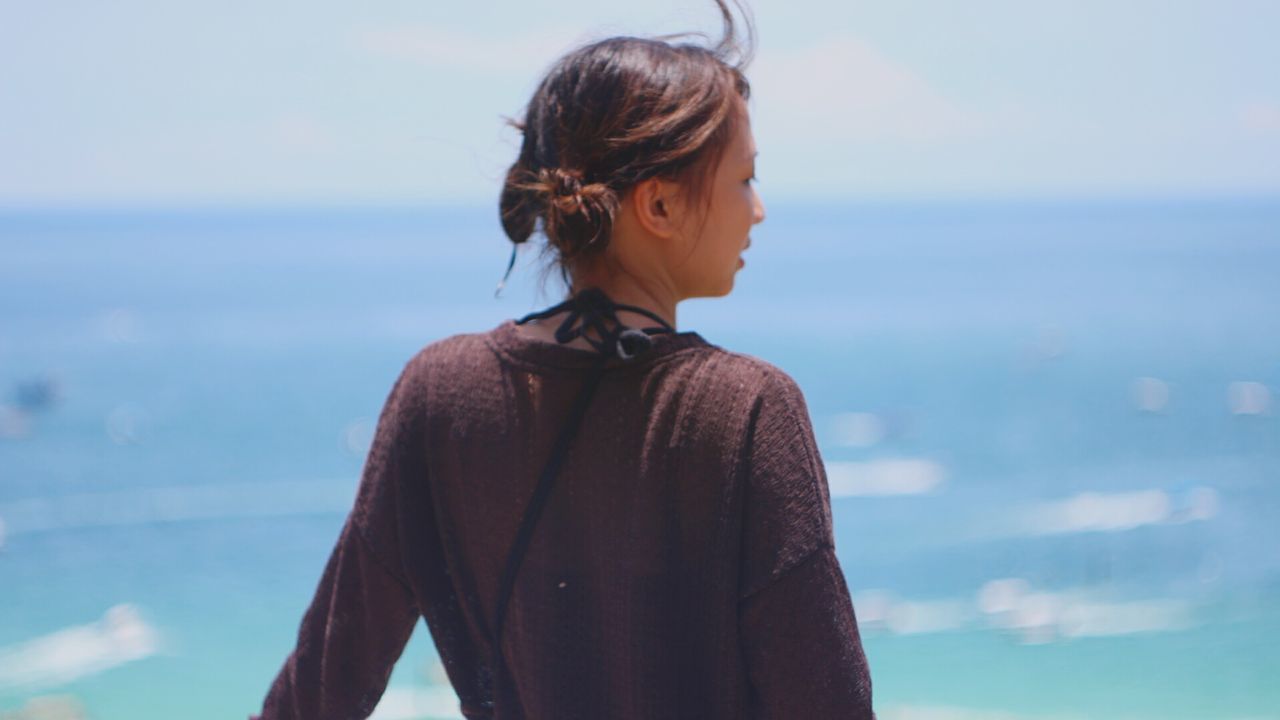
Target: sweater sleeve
799,633
364,610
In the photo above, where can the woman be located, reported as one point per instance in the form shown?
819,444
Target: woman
599,516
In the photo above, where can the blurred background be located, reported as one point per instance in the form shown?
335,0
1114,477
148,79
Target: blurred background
1023,259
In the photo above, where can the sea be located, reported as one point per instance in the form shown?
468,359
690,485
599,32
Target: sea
1049,428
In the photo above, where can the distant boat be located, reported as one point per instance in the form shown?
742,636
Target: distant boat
36,395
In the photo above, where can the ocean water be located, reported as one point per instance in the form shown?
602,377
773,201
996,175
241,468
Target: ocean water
1050,431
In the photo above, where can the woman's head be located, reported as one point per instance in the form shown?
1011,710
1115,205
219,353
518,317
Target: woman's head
627,114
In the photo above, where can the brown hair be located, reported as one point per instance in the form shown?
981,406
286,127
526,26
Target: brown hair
610,115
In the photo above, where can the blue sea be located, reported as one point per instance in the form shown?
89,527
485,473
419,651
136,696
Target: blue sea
1050,431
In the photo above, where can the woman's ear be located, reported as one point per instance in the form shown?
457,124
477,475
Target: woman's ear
658,207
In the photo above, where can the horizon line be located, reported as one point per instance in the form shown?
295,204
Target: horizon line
214,206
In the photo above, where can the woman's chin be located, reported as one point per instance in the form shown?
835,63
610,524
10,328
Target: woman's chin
714,287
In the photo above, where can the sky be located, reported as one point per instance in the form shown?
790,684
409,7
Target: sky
191,102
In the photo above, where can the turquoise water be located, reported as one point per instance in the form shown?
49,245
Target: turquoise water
1050,430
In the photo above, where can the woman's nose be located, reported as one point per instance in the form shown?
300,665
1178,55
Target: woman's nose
758,215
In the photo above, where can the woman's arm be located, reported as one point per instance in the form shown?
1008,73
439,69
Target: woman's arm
365,608
796,620
351,636
802,646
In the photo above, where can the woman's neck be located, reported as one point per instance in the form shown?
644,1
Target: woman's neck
621,289
627,290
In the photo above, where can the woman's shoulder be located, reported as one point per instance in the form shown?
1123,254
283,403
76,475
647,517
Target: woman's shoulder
718,372
739,372
456,352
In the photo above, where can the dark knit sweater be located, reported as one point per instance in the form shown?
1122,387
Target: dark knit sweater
683,566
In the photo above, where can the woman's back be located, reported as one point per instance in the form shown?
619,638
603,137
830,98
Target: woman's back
683,566
675,559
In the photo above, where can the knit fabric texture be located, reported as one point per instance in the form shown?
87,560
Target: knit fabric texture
683,567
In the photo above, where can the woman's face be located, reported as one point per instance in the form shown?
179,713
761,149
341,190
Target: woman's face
710,257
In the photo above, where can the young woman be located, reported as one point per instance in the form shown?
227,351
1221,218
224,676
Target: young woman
599,516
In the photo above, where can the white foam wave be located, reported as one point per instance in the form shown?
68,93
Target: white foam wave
1150,394
1038,617
930,616
139,506
1248,397
432,702
1102,619
1099,511
880,610
48,707
1012,606
60,657
14,424
858,429
1112,512
946,712
889,476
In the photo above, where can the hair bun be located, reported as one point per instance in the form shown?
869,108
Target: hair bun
561,182
563,188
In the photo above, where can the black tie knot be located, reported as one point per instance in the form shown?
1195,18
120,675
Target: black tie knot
632,343
591,309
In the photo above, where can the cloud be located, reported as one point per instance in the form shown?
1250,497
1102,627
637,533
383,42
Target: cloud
842,89
890,476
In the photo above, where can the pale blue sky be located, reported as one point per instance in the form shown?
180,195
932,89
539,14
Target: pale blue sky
138,102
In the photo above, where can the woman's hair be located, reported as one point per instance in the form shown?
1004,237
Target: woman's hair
612,114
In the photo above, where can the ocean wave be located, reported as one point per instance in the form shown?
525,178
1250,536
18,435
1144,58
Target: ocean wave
888,476
432,702
121,636
1012,606
140,506
1111,512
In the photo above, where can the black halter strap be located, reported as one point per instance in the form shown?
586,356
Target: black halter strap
590,309
597,312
